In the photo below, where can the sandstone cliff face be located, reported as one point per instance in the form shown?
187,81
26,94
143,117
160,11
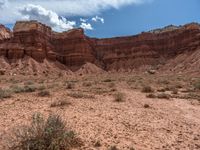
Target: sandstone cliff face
73,49
4,33
148,48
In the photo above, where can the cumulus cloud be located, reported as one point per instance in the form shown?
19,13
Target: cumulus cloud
48,17
83,20
64,7
86,26
98,19
3,3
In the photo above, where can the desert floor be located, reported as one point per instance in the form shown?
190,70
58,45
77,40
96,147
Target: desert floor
129,111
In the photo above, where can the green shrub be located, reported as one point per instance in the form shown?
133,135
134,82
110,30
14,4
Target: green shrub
50,134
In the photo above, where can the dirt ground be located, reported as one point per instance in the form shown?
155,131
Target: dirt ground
135,122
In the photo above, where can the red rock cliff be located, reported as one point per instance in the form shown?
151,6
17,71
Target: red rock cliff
74,49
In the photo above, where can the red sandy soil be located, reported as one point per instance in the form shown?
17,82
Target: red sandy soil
172,124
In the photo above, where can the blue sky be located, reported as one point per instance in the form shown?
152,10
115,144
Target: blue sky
113,17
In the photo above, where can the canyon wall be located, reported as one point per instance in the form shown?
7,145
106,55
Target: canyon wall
74,49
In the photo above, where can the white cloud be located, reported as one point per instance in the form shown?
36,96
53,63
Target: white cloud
3,3
86,26
64,7
83,20
48,17
97,19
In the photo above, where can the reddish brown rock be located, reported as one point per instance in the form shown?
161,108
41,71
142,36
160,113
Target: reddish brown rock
73,48
5,33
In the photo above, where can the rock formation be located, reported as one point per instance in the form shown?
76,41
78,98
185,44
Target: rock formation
154,49
4,33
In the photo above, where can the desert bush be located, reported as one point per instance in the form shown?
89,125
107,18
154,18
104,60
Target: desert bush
151,96
49,134
29,88
41,87
79,95
119,97
113,148
97,144
161,90
107,80
5,93
146,106
147,89
174,91
43,93
60,103
197,85
163,96
69,85
87,84
28,83
17,89
111,85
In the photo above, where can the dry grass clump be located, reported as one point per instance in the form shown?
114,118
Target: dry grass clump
70,85
97,144
147,89
107,80
5,93
197,85
43,93
41,134
60,103
113,148
119,97
87,84
163,96
151,96
80,95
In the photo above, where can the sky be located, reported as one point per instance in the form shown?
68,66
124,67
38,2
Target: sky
102,18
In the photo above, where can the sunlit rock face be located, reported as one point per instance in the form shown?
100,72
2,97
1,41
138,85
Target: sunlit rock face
74,49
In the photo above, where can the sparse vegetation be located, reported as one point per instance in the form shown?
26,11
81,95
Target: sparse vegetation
97,144
146,106
5,93
151,96
80,95
113,148
87,84
69,85
147,89
29,88
43,93
107,80
197,85
50,134
60,103
119,97
163,96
